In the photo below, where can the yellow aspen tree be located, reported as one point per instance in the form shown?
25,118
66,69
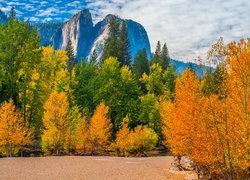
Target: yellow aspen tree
82,145
14,131
55,121
74,118
99,128
54,72
122,141
141,140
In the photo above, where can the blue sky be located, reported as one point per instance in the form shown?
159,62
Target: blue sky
189,27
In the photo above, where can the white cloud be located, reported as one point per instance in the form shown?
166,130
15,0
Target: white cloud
6,9
189,27
51,11
34,19
47,20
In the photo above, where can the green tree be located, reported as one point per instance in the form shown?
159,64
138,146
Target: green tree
112,44
125,55
165,59
157,54
119,90
71,55
161,56
212,81
149,113
93,57
20,56
70,66
84,89
141,64
12,14
170,80
154,82
117,43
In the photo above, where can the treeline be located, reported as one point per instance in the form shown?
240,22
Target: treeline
49,101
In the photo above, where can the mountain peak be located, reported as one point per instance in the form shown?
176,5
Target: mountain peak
109,17
86,37
83,14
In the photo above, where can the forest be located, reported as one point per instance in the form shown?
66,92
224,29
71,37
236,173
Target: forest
54,105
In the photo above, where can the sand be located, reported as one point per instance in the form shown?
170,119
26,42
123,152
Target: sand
92,168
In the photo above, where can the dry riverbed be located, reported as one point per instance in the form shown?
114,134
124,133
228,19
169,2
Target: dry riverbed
93,168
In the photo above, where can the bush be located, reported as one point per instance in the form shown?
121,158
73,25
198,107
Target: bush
136,142
142,139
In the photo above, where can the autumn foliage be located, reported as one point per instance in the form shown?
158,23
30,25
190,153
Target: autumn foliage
55,121
96,107
14,131
134,142
213,130
99,128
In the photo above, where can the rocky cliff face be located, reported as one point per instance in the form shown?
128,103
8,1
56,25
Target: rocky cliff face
3,18
138,38
86,37
47,31
79,30
137,35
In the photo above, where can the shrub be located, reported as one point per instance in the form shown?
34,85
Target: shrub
136,142
141,140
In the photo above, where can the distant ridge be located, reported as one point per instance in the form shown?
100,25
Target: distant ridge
87,37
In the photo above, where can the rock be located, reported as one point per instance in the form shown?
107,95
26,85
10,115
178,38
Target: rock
47,31
3,18
86,37
79,30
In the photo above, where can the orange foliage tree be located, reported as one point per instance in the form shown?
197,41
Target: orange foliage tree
226,119
99,128
213,130
237,119
181,117
14,132
122,138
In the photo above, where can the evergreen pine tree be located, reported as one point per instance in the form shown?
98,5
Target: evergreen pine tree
93,57
141,64
125,55
157,55
70,52
112,43
117,43
70,65
161,56
114,27
165,59
12,14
